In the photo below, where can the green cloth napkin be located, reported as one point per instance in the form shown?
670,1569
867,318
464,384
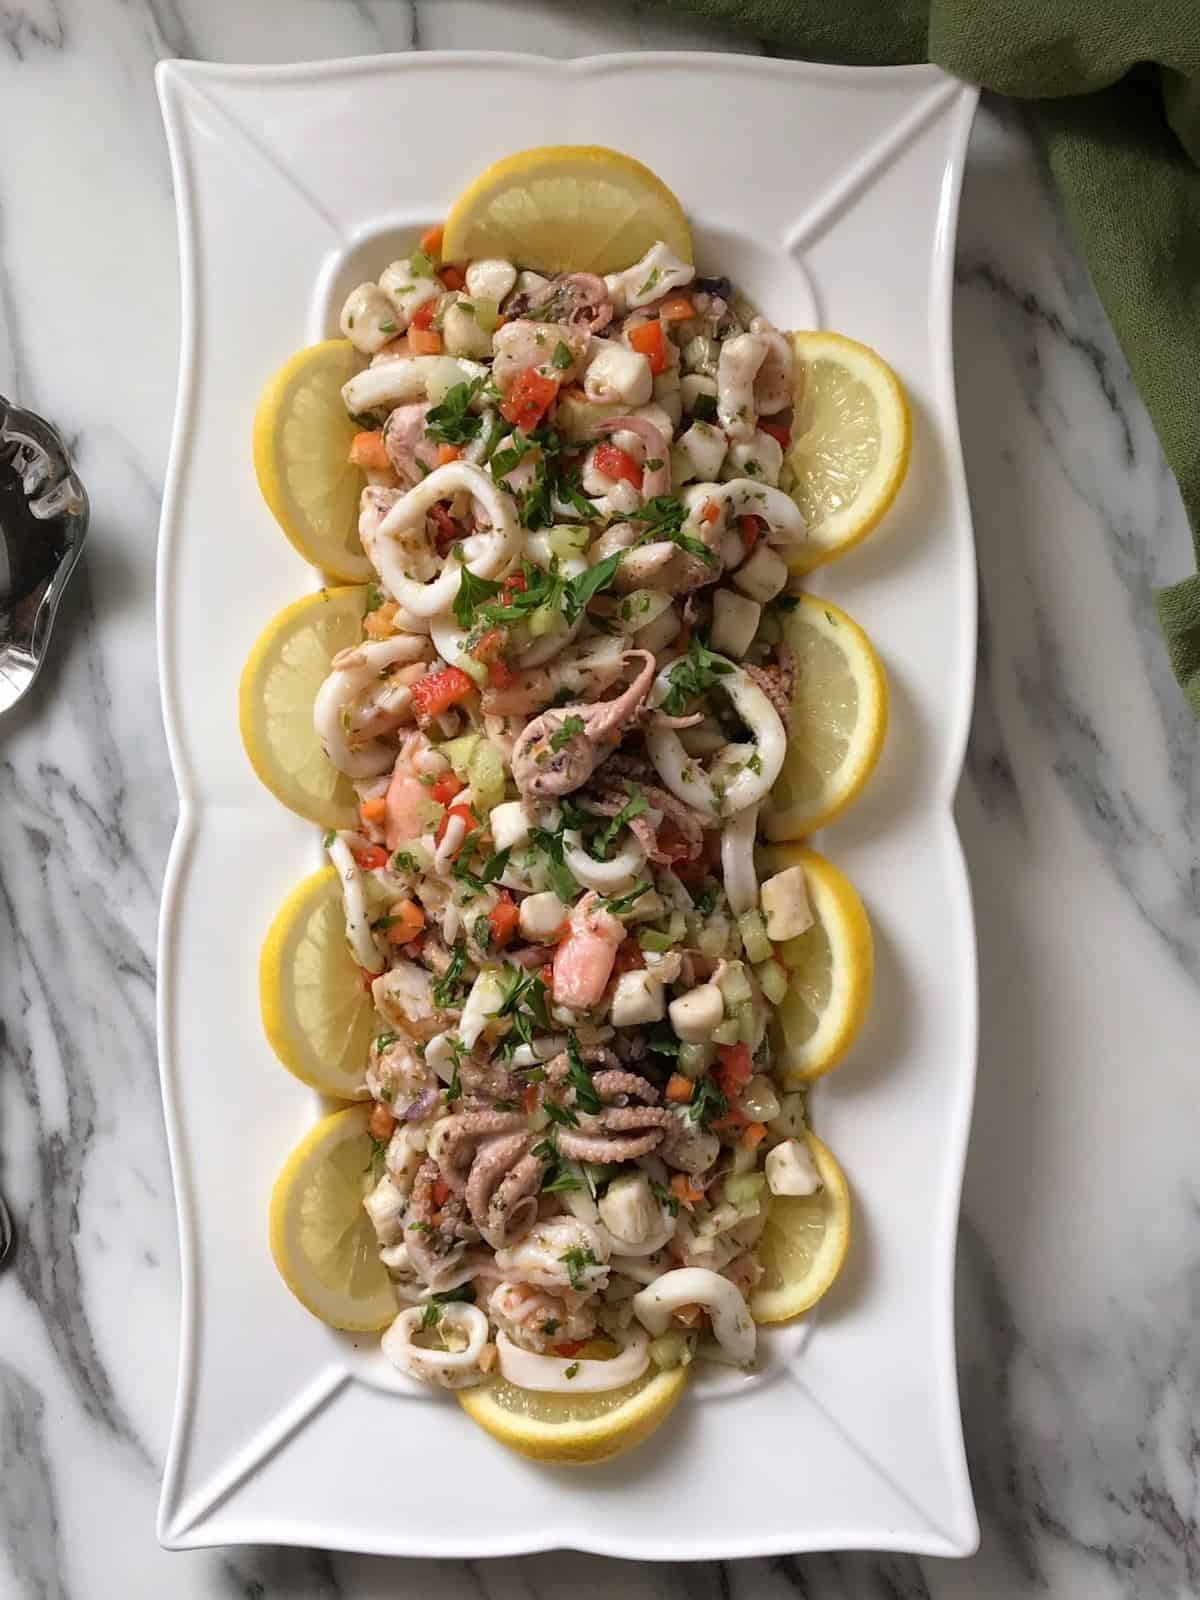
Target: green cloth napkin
1118,90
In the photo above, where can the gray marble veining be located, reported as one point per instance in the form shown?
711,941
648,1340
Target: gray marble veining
1078,1288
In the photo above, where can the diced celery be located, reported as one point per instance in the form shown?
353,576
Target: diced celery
567,540
575,417
713,938
695,1059
458,753
543,620
651,939
744,1188
486,773
734,985
743,1015
486,312
774,981
759,1099
753,929
677,927
670,1350
727,1032
475,670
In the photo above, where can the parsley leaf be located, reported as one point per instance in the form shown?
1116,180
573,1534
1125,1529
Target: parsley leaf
472,592
465,1291
578,1077
565,732
661,1038
560,1181
664,518
378,1155
634,807
704,407
429,1319
403,861
665,1198
589,583
560,877
707,1104
560,1115
576,1260
452,421
693,675
562,357
445,989
624,902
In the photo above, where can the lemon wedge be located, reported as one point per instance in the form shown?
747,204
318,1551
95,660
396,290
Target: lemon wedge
321,1238
850,443
575,1429
804,1243
301,440
318,1018
565,208
829,969
279,683
838,723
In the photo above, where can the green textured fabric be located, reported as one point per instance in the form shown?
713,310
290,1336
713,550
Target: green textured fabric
1118,89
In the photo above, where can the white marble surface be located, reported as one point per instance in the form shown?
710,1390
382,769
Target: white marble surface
1078,1288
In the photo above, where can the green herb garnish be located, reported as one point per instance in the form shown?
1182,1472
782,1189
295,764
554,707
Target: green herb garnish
445,988
565,732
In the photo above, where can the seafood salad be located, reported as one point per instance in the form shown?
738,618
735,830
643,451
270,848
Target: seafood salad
565,716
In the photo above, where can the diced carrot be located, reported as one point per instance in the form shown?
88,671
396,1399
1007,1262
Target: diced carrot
679,1089
489,644
678,309
569,1347
366,450
408,920
749,529
647,339
422,317
370,856
734,1068
448,453
441,1192
779,431
438,691
424,342
373,810
685,1191
431,241
502,920
617,464
453,277
753,1136
530,397
710,512
445,787
381,623
381,1123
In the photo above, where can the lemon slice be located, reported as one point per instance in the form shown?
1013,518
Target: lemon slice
829,970
839,718
565,208
317,1016
575,1429
321,1238
804,1243
301,439
850,442
283,672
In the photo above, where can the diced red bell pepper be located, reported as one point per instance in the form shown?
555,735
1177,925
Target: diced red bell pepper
749,529
500,674
514,584
438,691
422,317
647,339
530,397
778,431
569,1347
617,464
453,277
733,1069
441,1192
445,787
370,856
502,920
448,531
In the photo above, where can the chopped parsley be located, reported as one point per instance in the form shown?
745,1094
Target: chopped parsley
578,1077
452,421
472,593
560,1181
565,732
559,875
664,518
704,407
378,1156
560,1115
706,900
693,675
430,1319
404,861
374,597
465,1291
665,1198
572,1371
648,286
488,873
633,807
329,838
445,988
707,1104
662,1040
624,902
550,1326
576,1261
581,589
562,357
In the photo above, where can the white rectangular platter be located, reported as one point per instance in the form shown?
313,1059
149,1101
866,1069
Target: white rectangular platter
830,195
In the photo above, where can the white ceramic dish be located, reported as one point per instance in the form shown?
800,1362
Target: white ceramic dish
831,194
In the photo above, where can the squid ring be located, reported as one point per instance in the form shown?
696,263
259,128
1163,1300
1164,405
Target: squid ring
453,1369
754,776
746,497
655,1305
549,1374
483,554
354,672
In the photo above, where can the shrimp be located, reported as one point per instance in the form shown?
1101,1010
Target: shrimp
536,1319
408,806
583,962
773,381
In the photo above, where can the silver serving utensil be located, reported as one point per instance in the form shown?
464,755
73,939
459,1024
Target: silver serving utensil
43,523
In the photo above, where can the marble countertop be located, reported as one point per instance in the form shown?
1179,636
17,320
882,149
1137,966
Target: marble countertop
1077,1290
